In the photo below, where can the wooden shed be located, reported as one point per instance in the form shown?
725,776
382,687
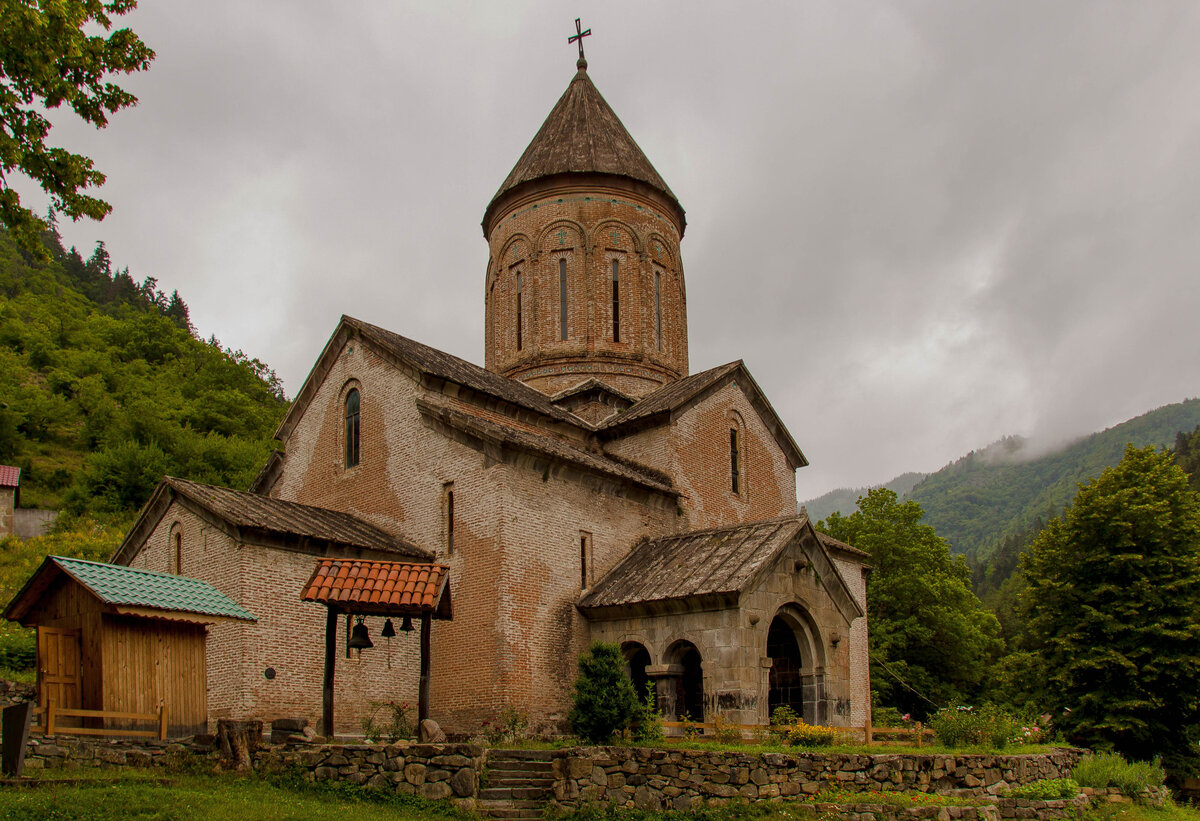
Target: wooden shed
122,640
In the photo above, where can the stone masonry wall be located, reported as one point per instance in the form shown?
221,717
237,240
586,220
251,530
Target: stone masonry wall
682,779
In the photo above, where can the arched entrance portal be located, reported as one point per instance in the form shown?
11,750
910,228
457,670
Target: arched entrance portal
797,673
689,685
637,659
786,685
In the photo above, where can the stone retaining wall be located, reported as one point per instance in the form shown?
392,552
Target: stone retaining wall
680,779
887,812
72,752
429,770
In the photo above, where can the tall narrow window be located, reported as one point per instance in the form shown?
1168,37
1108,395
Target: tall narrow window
734,473
658,308
562,298
585,548
616,301
448,509
178,552
352,428
518,310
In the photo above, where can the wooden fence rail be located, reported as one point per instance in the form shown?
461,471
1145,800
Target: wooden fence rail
51,713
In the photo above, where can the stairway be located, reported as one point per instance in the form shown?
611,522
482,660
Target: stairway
519,784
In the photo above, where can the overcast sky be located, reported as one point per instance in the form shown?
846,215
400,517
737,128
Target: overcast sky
922,225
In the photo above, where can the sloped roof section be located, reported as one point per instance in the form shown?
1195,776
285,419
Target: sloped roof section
384,588
583,134
712,564
10,476
426,360
710,568
252,513
551,446
675,395
130,587
249,510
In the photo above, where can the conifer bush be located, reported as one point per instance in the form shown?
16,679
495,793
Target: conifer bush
605,702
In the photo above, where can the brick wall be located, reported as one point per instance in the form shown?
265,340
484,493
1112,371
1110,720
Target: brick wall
289,636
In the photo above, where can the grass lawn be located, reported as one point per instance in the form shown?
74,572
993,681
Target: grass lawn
138,795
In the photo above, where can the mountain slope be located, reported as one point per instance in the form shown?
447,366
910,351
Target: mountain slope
988,494
104,387
845,500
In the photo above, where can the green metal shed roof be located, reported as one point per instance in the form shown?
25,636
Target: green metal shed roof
116,584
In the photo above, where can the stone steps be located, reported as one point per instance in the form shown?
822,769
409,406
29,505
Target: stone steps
519,783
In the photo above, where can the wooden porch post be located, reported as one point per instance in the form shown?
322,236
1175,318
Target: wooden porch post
331,626
423,692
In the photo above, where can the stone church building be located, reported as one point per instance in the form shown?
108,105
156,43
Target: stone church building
582,485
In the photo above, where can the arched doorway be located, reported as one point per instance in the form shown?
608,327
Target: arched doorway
786,686
637,659
689,684
797,674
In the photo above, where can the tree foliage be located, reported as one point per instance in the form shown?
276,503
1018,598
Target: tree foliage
605,702
1114,594
48,58
104,387
931,641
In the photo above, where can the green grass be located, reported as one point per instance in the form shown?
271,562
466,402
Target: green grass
192,797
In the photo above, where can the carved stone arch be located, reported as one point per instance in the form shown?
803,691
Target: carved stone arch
796,677
681,691
639,659
504,261
639,245
544,234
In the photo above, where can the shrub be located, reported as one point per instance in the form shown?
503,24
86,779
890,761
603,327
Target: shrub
605,702
1048,789
725,732
648,723
1111,770
962,726
510,727
810,735
394,725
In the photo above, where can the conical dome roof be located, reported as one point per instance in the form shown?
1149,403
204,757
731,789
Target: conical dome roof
582,135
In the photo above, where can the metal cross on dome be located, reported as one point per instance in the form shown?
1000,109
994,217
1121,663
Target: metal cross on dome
578,36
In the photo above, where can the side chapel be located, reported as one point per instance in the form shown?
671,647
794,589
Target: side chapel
583,485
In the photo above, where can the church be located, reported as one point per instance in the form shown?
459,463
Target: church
582,485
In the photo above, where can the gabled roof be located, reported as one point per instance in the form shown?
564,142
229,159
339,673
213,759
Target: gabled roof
383,588
250,513
582,135
128,590
711,568
428,361
493,432
10,476
674,396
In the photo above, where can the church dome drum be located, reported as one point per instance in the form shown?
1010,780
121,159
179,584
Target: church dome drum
584,276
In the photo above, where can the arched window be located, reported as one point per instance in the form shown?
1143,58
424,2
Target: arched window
735,460
518,310
562,298
176,556
658,308
352,428
616,293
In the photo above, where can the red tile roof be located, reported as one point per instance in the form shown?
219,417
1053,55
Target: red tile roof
383,588
9,476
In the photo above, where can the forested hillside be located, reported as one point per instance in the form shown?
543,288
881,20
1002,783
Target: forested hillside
845,500
104,387
996,492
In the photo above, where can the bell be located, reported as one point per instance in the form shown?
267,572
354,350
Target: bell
359,639
406,625
389,629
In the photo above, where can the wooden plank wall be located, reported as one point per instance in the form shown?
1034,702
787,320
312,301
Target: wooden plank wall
68,606
151,660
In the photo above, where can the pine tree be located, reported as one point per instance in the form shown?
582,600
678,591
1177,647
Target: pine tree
605,701
1114,595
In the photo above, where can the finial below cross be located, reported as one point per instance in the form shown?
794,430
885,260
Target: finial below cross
577,37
